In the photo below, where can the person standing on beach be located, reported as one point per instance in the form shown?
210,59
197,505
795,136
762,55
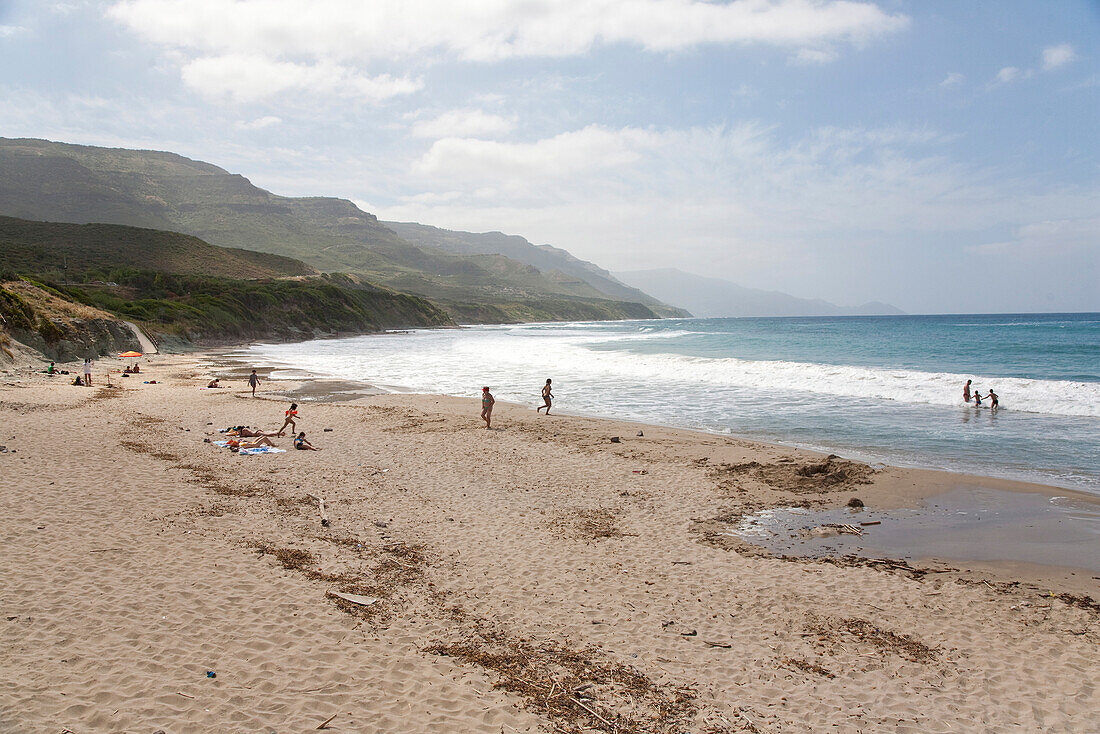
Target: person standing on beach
547,397
290,416
254,381
87,371
487,402
966,391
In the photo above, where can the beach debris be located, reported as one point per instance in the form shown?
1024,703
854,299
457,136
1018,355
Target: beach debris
211,674
365,601
641,471
185,695
321,506
855,502
640,434
324,724
717,644
693,633
871,522
381,524
616,439
328,430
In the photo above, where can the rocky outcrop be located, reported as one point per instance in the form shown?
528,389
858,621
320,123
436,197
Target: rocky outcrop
76,339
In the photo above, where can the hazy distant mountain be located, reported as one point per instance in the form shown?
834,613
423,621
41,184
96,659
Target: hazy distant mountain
714,298
551,261
60,182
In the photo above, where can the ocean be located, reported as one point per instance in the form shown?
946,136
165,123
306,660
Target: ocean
879,389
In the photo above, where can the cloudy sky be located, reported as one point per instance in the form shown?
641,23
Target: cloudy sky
940,156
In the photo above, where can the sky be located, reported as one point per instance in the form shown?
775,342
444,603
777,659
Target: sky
936,155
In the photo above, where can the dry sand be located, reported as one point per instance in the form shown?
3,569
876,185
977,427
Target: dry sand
536,577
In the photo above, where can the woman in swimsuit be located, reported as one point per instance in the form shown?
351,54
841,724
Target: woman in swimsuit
487,402
547,397
302,444
290,416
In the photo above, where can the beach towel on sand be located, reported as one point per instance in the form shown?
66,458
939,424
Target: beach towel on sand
261,450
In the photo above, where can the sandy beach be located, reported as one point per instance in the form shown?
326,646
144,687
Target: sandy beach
537,577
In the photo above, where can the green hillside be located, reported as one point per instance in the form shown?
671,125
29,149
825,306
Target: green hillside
56,248
181,287
51,181
573,274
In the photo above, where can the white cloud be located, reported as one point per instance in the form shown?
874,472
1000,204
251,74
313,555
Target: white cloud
252,78
1007,74
569,153
461,124
259,123
493,29
1055,56
815,55
10,31
953,79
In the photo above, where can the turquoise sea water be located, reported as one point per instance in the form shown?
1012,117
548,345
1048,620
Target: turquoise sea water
885,389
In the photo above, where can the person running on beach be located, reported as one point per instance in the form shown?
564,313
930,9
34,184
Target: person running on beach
290,416
966,391
87,372
302,444
487,402
547,397
993,397
254,382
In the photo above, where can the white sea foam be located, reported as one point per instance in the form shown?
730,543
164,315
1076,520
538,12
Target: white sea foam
509,357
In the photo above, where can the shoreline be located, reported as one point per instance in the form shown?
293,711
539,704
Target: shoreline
895,487
491,569
232,356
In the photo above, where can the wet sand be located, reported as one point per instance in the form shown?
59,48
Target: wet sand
536,577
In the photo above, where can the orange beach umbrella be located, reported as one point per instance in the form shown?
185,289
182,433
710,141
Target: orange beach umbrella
130,354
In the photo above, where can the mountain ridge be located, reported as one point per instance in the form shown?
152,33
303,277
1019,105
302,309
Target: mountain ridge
53,181
716,298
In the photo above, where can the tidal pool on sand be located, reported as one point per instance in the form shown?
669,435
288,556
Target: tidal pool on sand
965,524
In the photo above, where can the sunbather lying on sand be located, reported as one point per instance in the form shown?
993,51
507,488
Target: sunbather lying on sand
246,432
252,443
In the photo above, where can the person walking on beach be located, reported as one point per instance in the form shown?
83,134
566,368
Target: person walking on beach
547,397
254,381
993,398
966,391
87,371
487,402
290,416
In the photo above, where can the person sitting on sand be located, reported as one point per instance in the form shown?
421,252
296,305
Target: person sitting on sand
547,397
253,381
993,397
966,391
214,383
487,402
51,369
290,416
302,444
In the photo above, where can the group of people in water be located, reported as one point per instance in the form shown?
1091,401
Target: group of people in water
488,401
977,395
